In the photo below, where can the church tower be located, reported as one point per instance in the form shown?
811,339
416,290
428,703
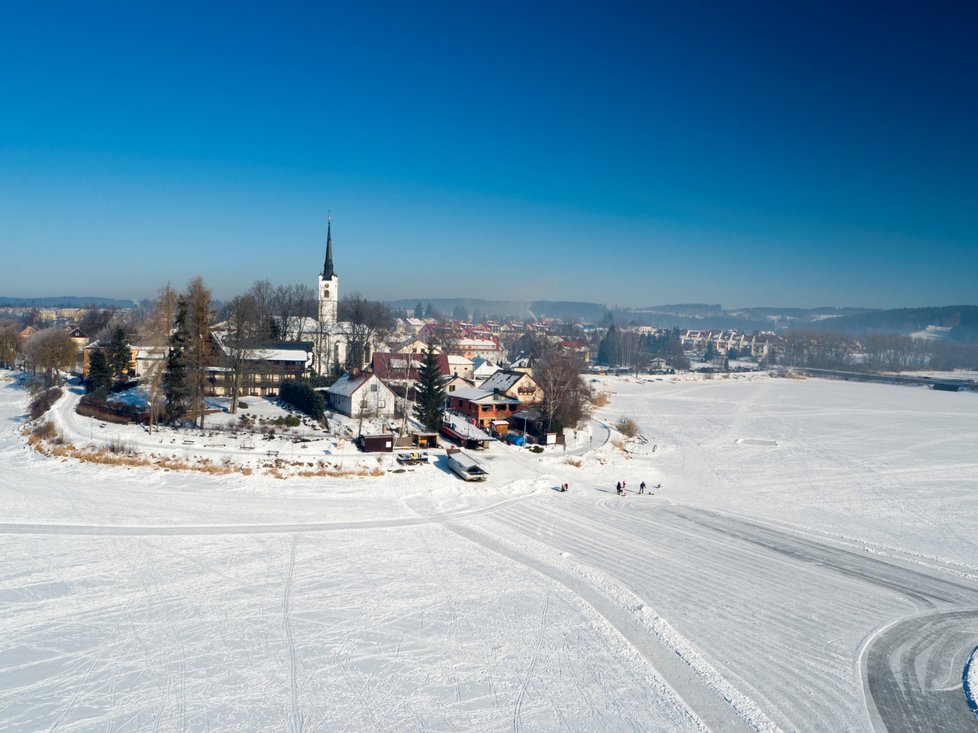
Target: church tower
329,284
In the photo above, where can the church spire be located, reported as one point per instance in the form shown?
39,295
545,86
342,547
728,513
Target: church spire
328,264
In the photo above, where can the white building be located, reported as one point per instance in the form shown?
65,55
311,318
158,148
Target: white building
361,395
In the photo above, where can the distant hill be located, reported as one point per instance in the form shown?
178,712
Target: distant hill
65,301
504,309
961,322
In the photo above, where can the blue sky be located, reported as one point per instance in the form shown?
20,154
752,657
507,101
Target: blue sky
741,153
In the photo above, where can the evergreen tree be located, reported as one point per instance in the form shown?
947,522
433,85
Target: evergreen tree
119,356
175,386
99,374
610,347
430,407
419,310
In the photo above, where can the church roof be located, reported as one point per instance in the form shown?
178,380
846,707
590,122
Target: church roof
328,272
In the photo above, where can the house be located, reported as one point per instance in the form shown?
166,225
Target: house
263,368
402,368
459,366
482,407
518,385
417,346
455,383
482,369
472,348
579,349
361,395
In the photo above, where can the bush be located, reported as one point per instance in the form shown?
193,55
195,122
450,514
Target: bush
45,430
43,402
118,446
301,396
628,427
242,405
288,421
536,449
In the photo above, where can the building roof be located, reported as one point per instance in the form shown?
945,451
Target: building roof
504,380
328,271
348,384
482,396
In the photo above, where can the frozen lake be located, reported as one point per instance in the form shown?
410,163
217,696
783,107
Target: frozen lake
809,563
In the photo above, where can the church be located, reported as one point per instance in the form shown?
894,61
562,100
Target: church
330,343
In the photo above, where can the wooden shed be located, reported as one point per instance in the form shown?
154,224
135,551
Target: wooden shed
380,443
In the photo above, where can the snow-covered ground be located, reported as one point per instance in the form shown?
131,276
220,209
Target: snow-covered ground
809,563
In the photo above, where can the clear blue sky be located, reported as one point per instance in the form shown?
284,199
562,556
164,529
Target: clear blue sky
735,152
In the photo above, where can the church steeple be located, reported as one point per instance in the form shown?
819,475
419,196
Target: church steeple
328,273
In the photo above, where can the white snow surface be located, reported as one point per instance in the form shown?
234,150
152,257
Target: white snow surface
136,598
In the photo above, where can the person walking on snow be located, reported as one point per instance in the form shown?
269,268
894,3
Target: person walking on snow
618,488
641,488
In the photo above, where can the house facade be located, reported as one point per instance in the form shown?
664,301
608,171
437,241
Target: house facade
482,407
361,395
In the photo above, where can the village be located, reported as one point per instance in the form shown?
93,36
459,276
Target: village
325,391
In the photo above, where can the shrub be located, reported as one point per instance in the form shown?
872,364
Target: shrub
600,399
45,430
118,446
628,427
242,405
43,401
301,396
536,449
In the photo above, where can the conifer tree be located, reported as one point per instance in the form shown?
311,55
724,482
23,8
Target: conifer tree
430,407
99,374
176,390
119,356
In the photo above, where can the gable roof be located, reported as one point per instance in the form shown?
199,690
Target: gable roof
348,384
504,380
482,396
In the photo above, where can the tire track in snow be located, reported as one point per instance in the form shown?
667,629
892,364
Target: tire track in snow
234,529
541,629
296,713
704,706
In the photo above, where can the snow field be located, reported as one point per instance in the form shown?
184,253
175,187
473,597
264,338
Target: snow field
798,522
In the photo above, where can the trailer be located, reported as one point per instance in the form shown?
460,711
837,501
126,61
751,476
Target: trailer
466,467
413,458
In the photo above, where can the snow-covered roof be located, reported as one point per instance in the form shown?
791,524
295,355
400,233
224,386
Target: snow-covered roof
348,384
458,360
503,380
475,394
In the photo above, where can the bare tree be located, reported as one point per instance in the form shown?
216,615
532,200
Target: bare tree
567,399
264,296
9,344
244,336
50,350
365,320
291,305
155,335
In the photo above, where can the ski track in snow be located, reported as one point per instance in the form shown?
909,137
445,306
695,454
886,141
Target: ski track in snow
808,565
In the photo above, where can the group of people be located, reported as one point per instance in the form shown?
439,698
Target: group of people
621,488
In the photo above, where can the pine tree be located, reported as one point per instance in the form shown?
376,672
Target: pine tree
99,374
119,356
418,310
430,407
175,387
